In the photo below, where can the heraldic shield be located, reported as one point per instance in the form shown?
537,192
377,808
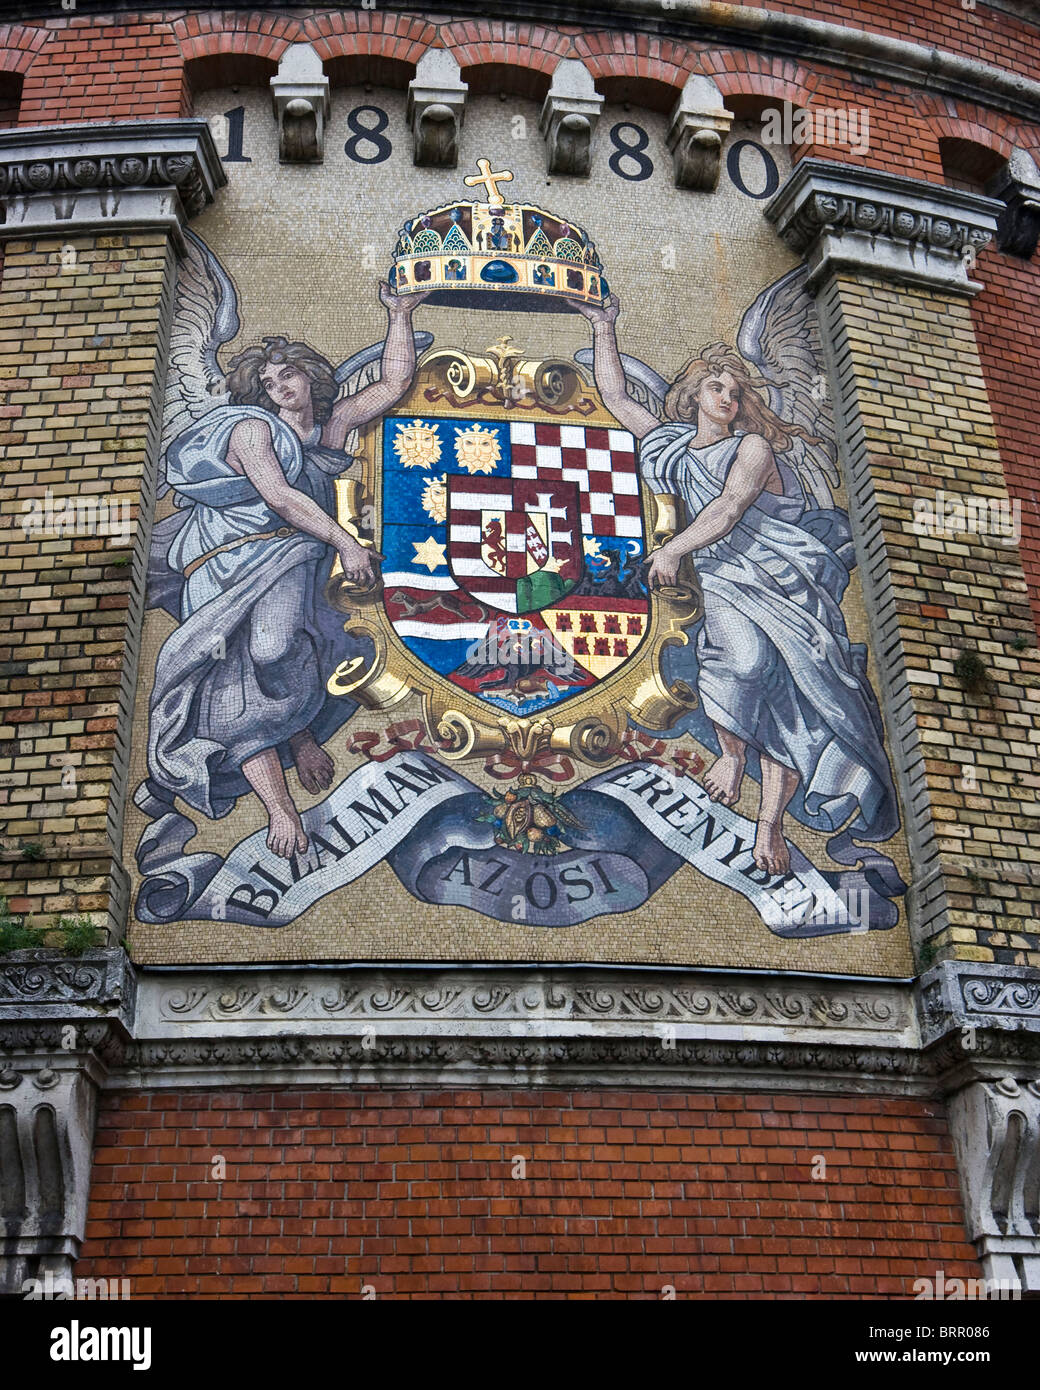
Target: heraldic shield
514,535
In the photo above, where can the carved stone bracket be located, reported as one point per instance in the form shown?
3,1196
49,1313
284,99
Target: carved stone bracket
569,115
838,215
436,109
300,93
63,1023
698,126
64,180
996,1133
1017,186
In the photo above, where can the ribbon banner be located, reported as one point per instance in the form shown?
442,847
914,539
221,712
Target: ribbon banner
639,825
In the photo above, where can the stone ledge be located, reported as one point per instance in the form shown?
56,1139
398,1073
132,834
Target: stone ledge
546,1025
843,216
91,176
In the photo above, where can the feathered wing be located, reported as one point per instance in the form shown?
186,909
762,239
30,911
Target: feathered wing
646,387
205,317
780,335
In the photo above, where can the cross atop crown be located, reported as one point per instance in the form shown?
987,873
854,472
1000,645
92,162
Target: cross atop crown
489,180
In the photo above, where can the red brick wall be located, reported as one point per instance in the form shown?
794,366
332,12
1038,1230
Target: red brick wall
1007,324
625,1192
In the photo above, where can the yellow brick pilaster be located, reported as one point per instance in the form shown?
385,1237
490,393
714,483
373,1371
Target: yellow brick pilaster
84,318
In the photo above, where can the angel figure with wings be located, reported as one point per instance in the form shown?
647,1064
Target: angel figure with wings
776,671
251,459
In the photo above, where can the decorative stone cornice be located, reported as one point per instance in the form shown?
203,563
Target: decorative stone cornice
552,1025
42,985
64,180
496,1001
845,216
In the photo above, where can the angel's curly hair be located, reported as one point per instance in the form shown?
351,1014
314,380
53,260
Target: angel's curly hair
246,388
753,415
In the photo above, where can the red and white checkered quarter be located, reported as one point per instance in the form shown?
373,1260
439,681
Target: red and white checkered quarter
601,461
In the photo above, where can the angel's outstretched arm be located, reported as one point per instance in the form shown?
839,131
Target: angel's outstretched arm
396,370
609,371
251,451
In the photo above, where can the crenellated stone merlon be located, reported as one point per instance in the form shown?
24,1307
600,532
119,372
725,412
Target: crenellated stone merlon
568,120
436,109
300,94
1017,186
698,127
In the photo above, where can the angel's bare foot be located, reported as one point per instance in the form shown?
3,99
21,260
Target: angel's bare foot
314,765
285,835
723,779
771,852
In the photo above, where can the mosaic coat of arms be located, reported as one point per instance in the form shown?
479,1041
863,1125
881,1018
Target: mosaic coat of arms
577,609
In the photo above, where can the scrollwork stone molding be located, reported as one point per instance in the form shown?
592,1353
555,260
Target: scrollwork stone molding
69,179
956,995
42,985
531,1025
839,215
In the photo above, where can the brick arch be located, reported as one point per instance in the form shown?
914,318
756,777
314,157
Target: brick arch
737,74
974,132
644,57
19,46
484,43
210,35
368,33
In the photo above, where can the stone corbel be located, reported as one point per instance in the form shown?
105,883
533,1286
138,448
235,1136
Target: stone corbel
884,225
568,120
698,126
300,94
1017,186
63,1023
436,109
996,1133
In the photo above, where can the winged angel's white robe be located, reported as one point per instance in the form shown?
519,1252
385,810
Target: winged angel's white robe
776,667
246,668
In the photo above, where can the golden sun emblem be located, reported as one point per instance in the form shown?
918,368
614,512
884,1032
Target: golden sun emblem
435,498
417,445
477,450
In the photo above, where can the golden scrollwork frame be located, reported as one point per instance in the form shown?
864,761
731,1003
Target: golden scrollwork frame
590,725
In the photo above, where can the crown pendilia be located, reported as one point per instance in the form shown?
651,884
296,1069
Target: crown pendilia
497,255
